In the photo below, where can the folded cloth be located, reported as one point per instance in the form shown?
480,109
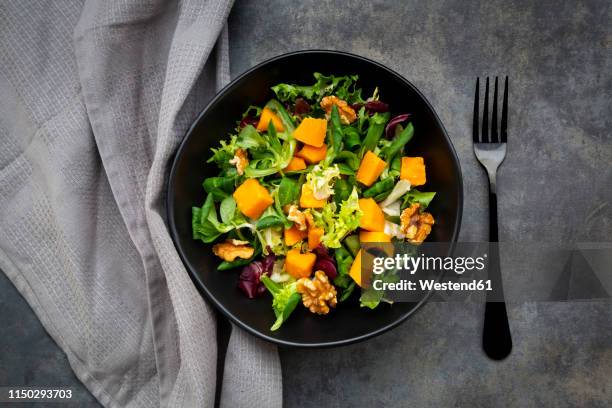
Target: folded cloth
95,97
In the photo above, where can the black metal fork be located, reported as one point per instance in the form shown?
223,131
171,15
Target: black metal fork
490,150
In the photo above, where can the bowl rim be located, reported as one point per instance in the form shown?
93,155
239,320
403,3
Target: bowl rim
194,276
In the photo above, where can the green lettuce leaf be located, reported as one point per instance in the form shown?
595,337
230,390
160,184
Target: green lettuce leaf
338,225
224,153
343,87
272,238
321,180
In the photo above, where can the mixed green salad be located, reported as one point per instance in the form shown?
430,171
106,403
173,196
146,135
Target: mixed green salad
302,182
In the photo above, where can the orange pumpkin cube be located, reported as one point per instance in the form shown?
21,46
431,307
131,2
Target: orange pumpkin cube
294,235
372,219
314,237
264,119
370,168
313,154
252,198
295,164
299,265
413,170
355,271
362,277
307,199
373,236
311,131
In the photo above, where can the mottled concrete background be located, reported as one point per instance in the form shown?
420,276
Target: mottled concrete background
555,186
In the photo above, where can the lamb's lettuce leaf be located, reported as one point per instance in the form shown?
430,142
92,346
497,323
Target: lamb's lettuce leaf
397,144
276,107
219,187
284,299
371,297
269,154
352,138
335,136
344,260
288,191
205,223
227,209
376,127
269,221
420,197
385,185
350,159
342,190
250,138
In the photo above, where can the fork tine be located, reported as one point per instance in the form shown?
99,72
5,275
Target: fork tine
485,115
504,115
494,136
476,106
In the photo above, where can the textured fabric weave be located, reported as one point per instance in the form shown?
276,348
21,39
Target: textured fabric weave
94,98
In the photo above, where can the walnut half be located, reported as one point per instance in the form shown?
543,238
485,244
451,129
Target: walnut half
297,216
416,225
317,294
240,160
347,114
232,249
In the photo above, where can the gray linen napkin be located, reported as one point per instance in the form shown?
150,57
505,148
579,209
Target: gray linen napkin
94,99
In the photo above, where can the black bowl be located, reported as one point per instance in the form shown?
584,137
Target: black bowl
348,323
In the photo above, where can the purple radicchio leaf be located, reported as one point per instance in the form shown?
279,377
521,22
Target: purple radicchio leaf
248,120
390,129
356,106
325,262
301,106
249,281
376,106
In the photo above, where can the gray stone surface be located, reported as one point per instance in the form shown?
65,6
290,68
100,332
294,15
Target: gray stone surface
28,356
555,186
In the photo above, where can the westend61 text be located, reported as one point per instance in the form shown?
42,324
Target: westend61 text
431,284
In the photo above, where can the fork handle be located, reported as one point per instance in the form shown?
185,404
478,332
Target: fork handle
493,231
496,337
